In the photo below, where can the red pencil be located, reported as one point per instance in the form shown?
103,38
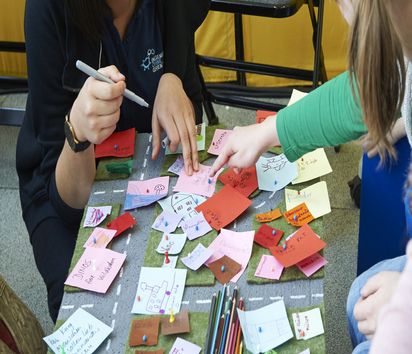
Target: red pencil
219,332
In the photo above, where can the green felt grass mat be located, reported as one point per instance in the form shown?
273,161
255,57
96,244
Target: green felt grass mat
291,273
202,277
83,235
203,155
197,335
103,175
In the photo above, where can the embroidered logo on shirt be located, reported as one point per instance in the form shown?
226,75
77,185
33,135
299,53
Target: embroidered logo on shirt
152,61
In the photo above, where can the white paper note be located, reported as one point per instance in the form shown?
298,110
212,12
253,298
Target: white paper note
308,324
275,173
197,257
172,243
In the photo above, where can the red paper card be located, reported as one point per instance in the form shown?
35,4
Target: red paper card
267,236
299,215
223,207
262,115
269,216
119,144
300,246
244,182
224,269
122,223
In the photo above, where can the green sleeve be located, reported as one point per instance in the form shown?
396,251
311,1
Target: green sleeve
328,116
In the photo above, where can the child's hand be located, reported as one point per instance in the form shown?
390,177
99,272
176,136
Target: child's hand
246,144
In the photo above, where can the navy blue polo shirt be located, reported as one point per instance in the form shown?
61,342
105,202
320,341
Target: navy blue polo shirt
139,57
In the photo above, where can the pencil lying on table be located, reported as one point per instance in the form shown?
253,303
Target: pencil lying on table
211,322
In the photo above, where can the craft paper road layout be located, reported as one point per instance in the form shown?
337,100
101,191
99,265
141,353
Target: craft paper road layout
167,222
266,328
200,140
219,140
198,183
119,144
224,207
96,269
312,165
275,173
197,257
183,204
236,245
172,243
159,291
195,227
80,333
99,238
96,215
142,193
315,197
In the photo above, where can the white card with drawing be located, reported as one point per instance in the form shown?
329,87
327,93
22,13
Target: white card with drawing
178,166
308,324
81,333
167,221
196,227
266,328
96,215
159,291
275,173
183,204
171,243
197,257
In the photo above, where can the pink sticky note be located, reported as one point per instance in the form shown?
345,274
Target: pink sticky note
199,183
96,269
142,193
96,215
219,140
236,245
269,268
182,346
311,264
100,238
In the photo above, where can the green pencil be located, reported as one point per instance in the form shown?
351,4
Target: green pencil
211,321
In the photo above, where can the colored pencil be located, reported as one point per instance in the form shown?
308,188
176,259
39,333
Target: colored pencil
219,334
217,316
211,321
241,347
239,329
233,335
232,310
224,333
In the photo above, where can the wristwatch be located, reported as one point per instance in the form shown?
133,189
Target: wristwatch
74,143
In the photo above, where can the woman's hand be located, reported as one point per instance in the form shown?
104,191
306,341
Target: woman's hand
246,144
398,132
173,112
96,110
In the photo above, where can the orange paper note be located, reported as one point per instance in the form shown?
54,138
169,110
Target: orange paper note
269,216
244,182
119,144
267,236
224,207
262,115
300,246
299,215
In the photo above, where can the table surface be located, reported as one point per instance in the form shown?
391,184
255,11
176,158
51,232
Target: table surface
114,307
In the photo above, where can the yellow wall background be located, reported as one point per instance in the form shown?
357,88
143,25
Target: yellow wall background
284,42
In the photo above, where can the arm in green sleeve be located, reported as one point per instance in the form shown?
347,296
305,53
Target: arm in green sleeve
328,116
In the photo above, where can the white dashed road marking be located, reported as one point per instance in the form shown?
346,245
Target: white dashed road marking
87,306
118,190
203,301
67,307
255,298
128,239
115,308
297,297
119,289
260,205
99,192
317,295
109,342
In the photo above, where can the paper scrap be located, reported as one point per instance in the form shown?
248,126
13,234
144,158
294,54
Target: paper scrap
296,96
308,324
122,223
197,257
219,140
300,246
99,238
96,269
96,215
142,193
267,236
269,268
144,331
224,207
200,140
80,333
312,264
171,243
172,262
266,328
182,346
195,227
299,215
180,324
262,115
154,351
269,216
224,269
119,144
306,351
236,245
178,166
183,204
159,291
312,165
244,182
315,197
275,173
167,222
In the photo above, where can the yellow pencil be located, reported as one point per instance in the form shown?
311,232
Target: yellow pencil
241,347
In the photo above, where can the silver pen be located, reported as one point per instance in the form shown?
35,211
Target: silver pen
88,70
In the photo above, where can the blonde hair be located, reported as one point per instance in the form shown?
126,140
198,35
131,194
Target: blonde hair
377,68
